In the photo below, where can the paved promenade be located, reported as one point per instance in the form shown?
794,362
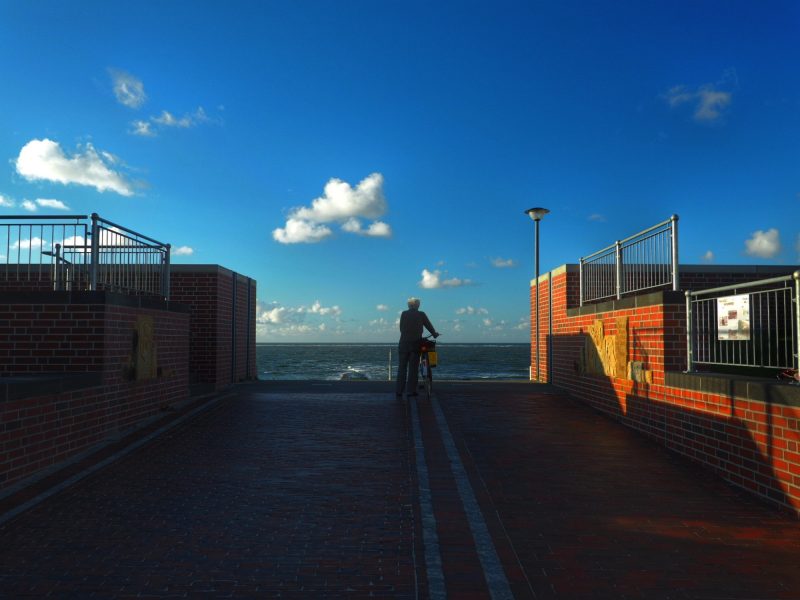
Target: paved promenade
339,490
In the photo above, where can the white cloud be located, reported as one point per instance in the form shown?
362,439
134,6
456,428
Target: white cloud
318,309
128,89
340,203
382,307
51,203
503,263
523,324
375,229
301,232
142,128
469,310
278,320
709,100
34,242
708,256
763,244
45,160
75,243
182,251
275,314
29,205
597,217
166,119
381,325
6,202
433,279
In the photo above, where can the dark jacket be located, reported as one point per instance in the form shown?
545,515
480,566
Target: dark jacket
411,323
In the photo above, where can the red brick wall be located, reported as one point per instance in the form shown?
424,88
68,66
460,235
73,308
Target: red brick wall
217,357
750,442
88,333
43,431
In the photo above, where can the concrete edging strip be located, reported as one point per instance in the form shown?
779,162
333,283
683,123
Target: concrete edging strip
433,557
493,571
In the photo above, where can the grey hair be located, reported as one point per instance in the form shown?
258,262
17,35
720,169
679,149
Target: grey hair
413,302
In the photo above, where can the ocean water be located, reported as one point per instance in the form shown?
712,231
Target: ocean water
331,361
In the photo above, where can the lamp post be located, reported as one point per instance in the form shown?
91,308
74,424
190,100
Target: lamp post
536,214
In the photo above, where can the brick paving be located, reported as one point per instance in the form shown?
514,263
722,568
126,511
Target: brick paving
309,489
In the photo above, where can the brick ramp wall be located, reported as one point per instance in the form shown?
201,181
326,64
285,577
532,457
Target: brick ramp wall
53,338
45,430
747,433
221,351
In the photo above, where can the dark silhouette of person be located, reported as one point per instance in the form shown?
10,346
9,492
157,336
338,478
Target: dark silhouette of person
411,323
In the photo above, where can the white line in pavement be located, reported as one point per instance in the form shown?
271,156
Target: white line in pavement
492,568
430,539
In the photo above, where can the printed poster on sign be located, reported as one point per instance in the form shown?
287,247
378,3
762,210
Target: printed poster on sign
733,318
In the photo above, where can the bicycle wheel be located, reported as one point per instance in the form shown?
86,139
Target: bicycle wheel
428,383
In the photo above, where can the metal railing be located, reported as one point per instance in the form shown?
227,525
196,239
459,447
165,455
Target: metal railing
756,326
69,253
645,260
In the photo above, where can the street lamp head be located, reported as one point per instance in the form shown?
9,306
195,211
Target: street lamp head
536,213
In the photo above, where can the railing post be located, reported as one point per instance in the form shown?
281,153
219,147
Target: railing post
688,331
618,261
580,281
165,267
674,226
58,268
796,276
95,258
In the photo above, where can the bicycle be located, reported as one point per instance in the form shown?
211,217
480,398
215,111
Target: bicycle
427,361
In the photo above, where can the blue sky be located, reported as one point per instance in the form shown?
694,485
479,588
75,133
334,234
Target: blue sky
350,154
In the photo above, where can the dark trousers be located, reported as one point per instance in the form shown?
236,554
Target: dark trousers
407,372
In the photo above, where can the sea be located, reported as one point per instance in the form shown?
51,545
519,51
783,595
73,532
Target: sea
376,361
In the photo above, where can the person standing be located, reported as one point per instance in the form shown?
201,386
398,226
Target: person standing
411,323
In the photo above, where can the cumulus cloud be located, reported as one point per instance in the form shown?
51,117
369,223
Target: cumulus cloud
75,243
34,242
318,309
708,100
708,256
381,325
382,307
763,244
375,229
503,263
142,128
341,203
182,251
432,280
29,205
51,203
45,160
128,89
6,202
275,319
298,231
150,127
523,324
469,310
